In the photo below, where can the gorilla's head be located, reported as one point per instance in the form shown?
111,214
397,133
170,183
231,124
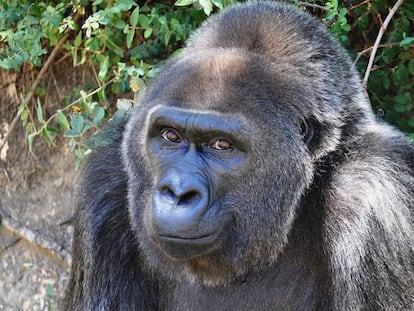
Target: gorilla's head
224,143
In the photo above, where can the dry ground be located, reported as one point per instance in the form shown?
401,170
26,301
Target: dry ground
31,277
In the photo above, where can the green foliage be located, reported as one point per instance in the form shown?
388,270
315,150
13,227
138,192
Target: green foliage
123,40
336,15
391,81
24,26
126,41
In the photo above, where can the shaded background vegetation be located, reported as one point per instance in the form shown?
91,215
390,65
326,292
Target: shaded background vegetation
113,47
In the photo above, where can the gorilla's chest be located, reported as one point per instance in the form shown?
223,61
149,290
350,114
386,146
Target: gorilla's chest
276,289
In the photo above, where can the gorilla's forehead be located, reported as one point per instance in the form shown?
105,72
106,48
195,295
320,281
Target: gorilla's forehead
224,80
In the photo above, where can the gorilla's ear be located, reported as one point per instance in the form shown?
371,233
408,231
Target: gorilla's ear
307,128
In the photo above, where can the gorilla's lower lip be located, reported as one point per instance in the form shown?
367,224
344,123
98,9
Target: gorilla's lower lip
182,247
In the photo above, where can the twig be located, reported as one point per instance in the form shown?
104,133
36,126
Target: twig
37,239
56,86
10,245
311,5
95,74
82,98
63,58
354,6
381,32
385,45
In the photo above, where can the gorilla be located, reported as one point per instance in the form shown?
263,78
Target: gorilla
251,175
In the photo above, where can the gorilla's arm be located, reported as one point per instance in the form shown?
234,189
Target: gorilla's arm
106,261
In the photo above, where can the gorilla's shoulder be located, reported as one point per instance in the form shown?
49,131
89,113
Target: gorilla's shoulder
104,180
382,141
379,165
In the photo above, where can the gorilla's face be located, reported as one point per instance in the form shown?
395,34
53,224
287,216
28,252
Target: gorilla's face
198,158
223,164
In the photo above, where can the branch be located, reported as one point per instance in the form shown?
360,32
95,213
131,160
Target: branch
381,32
364,51
38,239
311,5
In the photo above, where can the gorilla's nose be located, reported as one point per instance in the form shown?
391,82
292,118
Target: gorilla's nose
178,205
183,196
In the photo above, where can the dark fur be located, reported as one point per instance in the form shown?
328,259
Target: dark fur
323,226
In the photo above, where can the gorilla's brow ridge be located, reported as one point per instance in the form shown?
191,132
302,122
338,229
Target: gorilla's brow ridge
204,122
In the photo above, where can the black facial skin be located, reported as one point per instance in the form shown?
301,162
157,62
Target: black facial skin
251,175
194,154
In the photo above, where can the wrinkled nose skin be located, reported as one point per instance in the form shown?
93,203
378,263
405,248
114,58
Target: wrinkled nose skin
179,203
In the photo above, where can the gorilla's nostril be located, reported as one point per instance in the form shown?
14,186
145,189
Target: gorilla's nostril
167,192
189,197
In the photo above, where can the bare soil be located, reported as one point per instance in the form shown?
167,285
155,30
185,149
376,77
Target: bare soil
31,276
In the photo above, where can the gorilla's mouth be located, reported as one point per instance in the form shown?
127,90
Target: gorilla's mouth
183,237
184,247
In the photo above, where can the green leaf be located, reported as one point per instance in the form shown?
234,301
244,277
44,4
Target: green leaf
136,84
330,15
72,133
167,37
207,6
143,21
46,135
25,115
130,37
62,120
78,39
407,41
102,96
98,114
30,138
184,2
346,27
93,44
125,5
133,20
118,22
218,3
402,102
402,73
104,69
114,48
147,33
52,129
77,123
39,111
343,12
22,106
80,155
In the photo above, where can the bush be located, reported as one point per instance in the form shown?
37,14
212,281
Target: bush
126,41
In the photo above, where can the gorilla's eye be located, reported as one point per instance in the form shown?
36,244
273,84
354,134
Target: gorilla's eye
170,135
220,144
